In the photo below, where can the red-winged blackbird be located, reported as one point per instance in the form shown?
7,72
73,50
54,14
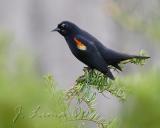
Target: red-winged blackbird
91,51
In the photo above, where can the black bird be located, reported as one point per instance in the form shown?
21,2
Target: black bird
91,51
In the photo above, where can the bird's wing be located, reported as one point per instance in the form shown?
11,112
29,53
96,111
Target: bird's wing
111,56
92,56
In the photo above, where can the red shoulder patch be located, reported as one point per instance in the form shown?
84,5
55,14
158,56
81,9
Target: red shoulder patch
80,45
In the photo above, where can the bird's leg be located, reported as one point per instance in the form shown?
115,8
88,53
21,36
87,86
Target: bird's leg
89,72
89,69
83,76
115,69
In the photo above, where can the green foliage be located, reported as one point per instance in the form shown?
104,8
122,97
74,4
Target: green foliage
86,88
80,114
92,81
26,101
137,61
141,110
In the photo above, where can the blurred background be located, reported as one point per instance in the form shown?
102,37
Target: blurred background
28,50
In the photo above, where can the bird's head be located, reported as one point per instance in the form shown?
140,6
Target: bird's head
66,28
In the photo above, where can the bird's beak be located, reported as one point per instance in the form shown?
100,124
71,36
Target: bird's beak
55,30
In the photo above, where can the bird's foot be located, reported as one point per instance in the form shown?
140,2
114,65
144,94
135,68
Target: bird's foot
88,69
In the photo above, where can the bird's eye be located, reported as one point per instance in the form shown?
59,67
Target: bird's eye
63,25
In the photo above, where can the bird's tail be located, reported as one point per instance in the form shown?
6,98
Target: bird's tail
139,57
125,57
